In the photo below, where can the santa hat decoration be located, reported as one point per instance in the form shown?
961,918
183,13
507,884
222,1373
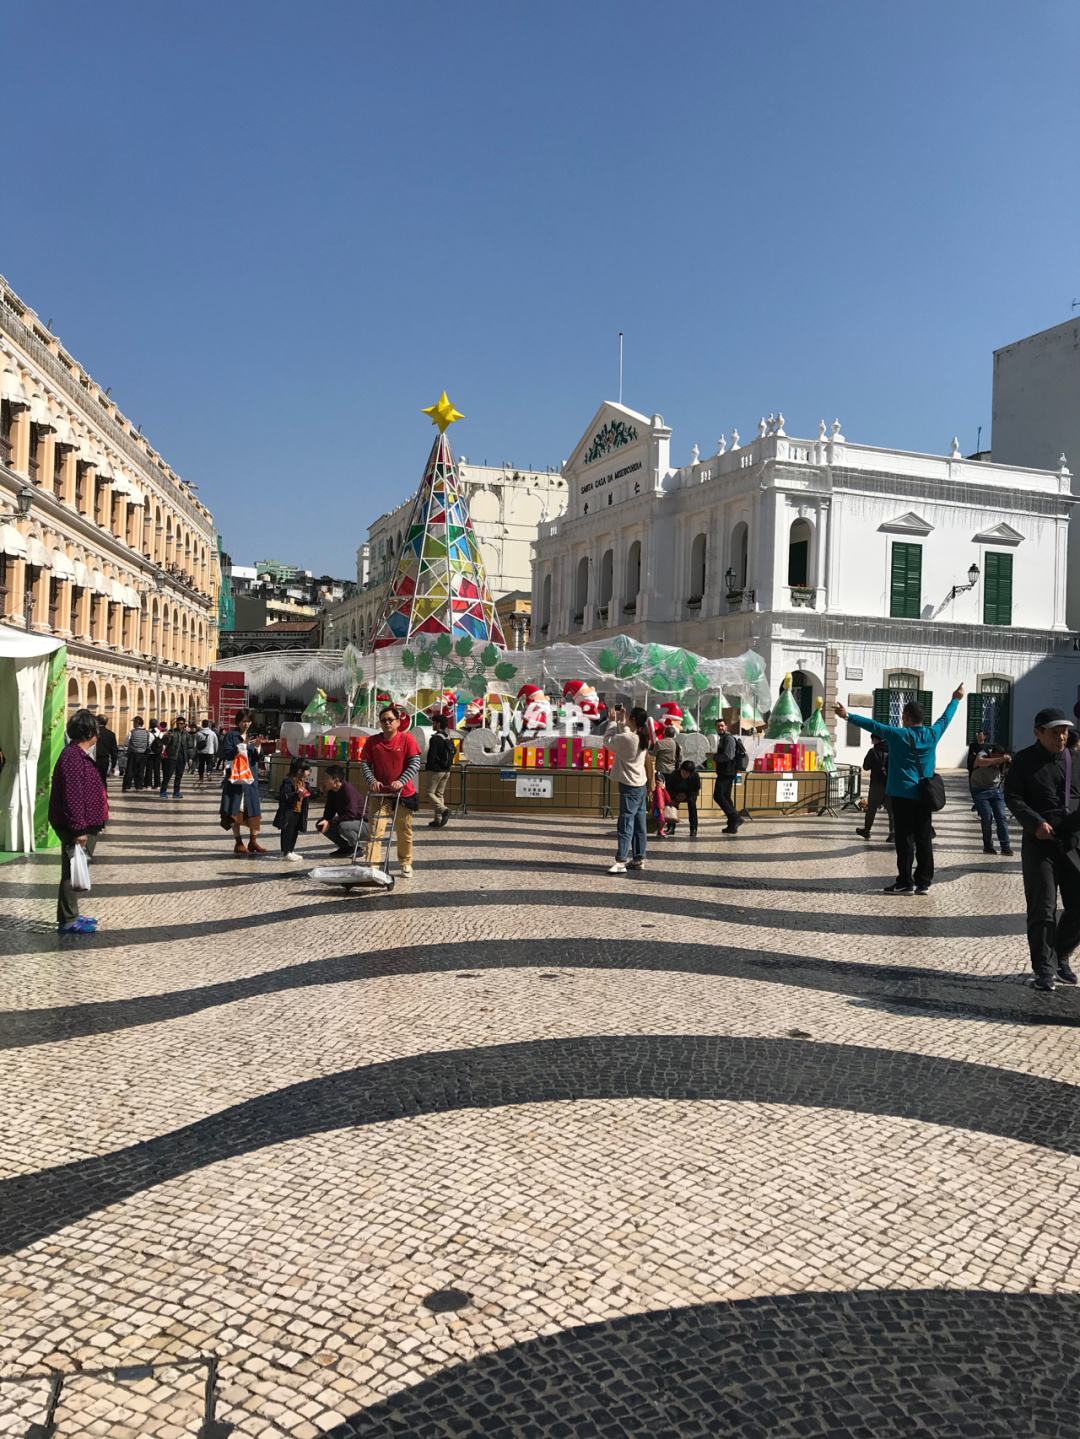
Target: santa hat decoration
583,695
529,693
671,714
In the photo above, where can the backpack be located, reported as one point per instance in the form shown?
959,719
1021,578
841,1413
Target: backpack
200,742
742,759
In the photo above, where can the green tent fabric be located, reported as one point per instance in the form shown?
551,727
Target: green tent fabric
32,699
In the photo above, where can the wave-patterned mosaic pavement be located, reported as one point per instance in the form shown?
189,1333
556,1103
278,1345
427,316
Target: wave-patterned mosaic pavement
738,1146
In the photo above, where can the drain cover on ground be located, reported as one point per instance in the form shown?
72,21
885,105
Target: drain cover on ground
445,1301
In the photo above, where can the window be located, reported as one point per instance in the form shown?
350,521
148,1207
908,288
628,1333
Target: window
633,578
6,418
740,555
990,709
798,565
997,589
80,486
905,582
54,604
34,467
698,557
545,605
607,579
900,687
59,452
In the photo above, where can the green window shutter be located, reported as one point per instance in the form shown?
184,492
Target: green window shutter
974,716
881,706
926,699
997,589
905,582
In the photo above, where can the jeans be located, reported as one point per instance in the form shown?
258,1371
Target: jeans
204,762
913,819
990,804
631,823
1048,868
290,829
172,769
67,900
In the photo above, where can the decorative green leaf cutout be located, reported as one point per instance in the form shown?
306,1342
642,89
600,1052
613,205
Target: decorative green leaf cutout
408,659
608,661
464,647
444,645
478,685
452,675
505,671
489,655
699,681
425,662
629,669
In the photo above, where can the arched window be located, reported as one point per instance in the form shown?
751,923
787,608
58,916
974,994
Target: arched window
633,578
581,590
740,556
545,605
698,556
73,701
798,565
91,695
607,580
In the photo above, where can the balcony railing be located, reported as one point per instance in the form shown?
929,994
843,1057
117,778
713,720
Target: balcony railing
803,596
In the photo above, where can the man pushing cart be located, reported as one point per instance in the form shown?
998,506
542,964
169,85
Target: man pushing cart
390,764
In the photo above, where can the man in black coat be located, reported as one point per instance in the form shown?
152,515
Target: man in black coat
1043,791
106,750
730,759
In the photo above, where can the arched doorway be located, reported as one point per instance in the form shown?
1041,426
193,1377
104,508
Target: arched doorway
806,688
91,696
73,699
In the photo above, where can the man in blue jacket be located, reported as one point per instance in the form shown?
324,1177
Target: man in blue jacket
912,757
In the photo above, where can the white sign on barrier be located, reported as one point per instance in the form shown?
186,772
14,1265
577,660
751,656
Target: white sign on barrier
534,786
787,791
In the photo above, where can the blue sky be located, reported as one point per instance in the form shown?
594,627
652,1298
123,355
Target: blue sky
278,230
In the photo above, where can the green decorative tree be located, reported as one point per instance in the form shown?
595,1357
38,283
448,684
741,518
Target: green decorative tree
786,721
816,728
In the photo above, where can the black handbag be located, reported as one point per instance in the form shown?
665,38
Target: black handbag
931,787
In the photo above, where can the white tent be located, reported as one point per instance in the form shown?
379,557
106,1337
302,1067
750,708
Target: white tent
24,673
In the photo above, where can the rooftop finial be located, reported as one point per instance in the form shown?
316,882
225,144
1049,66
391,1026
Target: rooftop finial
954,451
836,435
735,441
822,429
779,428
721,446
761,428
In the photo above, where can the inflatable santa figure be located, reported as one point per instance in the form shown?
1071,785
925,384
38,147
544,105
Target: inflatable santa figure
446,706
534,710
577,692
671,714
474,714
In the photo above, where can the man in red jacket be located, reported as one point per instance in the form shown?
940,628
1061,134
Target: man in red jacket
390,763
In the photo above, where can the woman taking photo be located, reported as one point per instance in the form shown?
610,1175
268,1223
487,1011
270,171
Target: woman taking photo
240,788
78,809
628,740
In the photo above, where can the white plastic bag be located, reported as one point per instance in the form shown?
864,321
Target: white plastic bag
80,869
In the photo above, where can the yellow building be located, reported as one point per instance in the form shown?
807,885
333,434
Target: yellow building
101,542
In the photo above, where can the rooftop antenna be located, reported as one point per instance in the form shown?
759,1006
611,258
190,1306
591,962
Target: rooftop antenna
1075,305
978,441
620,367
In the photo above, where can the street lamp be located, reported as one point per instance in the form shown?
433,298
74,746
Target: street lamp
23,500
973,575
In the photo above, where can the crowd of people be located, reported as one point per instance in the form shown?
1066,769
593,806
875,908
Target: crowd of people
1039,786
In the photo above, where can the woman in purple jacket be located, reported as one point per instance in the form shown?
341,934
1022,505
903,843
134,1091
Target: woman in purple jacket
78,810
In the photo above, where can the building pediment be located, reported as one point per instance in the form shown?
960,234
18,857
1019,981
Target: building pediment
1001,534
613,428
907,524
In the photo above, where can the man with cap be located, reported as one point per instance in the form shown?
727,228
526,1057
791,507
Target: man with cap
1043,791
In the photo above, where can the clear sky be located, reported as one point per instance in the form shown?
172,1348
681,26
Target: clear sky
279,230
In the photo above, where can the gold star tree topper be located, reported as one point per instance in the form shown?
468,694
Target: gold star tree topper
443,413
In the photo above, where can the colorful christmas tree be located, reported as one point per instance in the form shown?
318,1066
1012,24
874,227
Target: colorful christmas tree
785,721
816,728
439,585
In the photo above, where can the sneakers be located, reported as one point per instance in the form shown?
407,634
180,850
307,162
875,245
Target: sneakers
405,870
635,864
862,834
898,888
1066,973
82,924
1044,982
922,889
293,857
989,849
435,823
617,868
1007,851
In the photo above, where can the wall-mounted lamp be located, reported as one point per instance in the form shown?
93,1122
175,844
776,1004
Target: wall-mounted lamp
973,575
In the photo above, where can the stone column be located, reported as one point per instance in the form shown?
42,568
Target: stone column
20,439
821,529
63,611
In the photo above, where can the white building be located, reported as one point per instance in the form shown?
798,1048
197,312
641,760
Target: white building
864,572
1036,417
507,507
